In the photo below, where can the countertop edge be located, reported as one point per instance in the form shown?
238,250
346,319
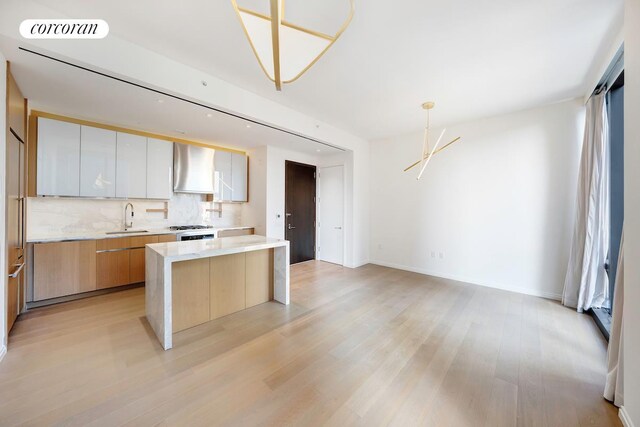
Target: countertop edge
103,235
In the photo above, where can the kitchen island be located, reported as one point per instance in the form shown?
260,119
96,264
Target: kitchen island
193,282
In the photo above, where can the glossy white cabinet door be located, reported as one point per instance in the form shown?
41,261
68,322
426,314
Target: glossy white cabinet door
239,177
131,166
223,175
97,162
58,170
159,169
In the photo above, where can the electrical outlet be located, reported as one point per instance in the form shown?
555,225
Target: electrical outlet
441,255
379,245
433,254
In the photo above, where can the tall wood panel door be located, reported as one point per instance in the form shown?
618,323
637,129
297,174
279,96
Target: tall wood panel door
300,211
15,197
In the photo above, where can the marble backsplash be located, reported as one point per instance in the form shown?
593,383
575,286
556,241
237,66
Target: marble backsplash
49,216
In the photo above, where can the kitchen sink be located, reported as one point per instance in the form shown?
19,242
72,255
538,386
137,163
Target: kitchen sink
126,232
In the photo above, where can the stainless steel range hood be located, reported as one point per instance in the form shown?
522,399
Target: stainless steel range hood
193,169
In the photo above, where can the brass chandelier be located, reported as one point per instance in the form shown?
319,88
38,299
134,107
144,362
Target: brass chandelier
427,151
285,51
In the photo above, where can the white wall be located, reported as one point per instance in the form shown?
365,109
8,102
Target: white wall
3,254
494,209
632,212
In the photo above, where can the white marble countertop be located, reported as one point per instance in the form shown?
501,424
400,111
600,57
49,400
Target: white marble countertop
194,249
103,234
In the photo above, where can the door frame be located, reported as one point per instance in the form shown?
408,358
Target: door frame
315,204
344,201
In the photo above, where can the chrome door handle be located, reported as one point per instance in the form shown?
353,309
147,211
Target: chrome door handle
287,214
18,270
290,227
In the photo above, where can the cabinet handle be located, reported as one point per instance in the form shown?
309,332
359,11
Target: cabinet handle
338,228
290,227
17,271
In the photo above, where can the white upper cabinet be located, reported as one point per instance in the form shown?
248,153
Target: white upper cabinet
131,166
97,162
58,170
159,169
239,177
223,175
230,177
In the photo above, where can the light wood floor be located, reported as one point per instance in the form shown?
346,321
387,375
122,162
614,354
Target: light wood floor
371,346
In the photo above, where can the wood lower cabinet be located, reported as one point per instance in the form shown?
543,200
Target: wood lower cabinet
136,265
190,296
121,260
164,238
236,232
227,281
112,269
63,268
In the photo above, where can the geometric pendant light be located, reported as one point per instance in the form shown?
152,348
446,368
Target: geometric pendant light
285,50
427,152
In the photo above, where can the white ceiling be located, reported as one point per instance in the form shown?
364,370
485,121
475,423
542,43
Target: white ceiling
62,89
475,58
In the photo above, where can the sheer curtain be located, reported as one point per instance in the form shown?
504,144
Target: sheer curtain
586,284
613,387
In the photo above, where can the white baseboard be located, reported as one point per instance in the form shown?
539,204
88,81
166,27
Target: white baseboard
3,351
533,292
625,418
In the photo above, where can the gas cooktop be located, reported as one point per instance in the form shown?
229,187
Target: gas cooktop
189,227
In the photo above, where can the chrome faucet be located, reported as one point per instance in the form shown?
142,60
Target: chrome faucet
128,225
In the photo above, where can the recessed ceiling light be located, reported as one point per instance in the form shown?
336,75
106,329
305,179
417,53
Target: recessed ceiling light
160,101
209,115
318,150
179,131
248,126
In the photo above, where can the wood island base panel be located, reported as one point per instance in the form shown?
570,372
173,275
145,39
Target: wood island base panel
189,283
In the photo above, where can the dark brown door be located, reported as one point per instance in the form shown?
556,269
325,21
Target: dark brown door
300,211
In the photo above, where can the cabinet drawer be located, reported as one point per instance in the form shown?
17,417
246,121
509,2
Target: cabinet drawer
64,268
110,244
164,238
112,269
141,241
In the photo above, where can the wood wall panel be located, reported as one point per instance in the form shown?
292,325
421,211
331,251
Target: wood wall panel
190,293
227,284
259,277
